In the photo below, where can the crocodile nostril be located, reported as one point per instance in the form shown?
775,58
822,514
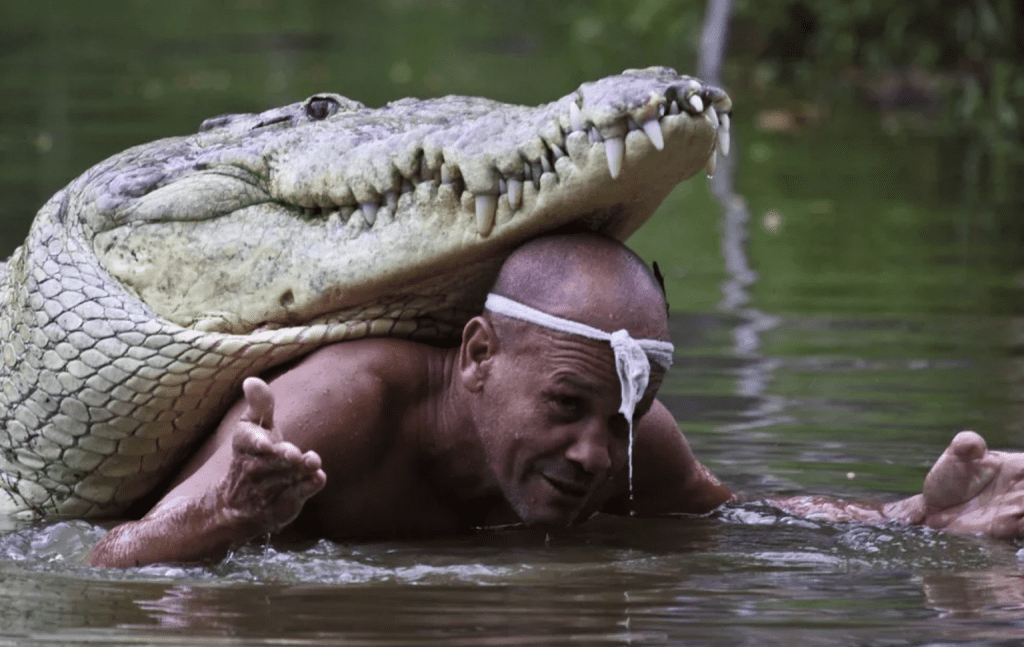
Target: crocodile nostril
287,299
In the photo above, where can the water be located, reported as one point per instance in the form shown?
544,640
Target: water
744,576
869,308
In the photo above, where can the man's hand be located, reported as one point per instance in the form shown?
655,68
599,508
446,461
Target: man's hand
253,485
269,479
970,490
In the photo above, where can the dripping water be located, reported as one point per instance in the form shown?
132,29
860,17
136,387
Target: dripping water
632,510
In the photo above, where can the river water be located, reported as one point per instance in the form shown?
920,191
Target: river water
869,308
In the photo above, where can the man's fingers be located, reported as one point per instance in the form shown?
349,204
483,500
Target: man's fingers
315,483
1007,526
259,400
311,460
254,442
250,440
968,445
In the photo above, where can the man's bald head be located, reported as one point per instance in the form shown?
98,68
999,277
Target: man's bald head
587,278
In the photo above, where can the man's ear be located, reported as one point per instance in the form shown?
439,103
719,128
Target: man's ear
479,346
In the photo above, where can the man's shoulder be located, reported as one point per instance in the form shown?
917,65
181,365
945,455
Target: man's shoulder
360,388
372,360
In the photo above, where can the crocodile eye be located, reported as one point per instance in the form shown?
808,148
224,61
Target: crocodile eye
321,107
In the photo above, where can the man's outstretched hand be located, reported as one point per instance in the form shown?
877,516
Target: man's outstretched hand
258,486
970,490
269,479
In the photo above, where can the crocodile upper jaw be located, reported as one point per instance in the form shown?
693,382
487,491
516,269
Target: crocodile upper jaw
324,206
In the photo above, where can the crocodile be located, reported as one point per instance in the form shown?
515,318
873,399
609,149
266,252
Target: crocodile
153,284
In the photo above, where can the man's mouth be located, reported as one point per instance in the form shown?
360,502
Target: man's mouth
571,489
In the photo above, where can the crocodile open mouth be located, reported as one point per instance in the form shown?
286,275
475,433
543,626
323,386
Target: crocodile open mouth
321,208
428,175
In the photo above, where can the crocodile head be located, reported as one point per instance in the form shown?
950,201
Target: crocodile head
314,211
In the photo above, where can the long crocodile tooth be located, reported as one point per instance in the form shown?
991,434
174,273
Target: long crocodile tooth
486,209
538,170
515,192
615,150
713,117
356,221
712,162
723,133
595,136
575,117
369,212
391,198
696,102
673,108
556,151
653,130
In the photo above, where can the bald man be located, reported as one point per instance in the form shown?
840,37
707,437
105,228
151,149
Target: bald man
529,420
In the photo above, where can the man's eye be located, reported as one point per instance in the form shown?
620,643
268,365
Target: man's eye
567,405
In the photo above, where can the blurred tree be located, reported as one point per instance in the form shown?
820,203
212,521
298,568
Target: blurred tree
958,61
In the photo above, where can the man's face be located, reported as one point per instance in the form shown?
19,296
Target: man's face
550,426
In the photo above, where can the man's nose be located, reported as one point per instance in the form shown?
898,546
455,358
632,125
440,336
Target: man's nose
592,450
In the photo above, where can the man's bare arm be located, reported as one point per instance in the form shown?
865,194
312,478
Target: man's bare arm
254,483
969,490
667,477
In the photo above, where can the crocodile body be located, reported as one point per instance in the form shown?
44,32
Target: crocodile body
152,285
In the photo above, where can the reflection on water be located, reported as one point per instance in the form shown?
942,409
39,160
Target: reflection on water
747,575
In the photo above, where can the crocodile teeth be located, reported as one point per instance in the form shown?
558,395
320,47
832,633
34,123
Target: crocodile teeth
653,130
615,150
723,133
713,117
486,209
369,213
538,170
515,192
696,102
712,162
392,200
673,108
575,117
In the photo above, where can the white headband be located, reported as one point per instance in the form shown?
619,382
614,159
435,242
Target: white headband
633,357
